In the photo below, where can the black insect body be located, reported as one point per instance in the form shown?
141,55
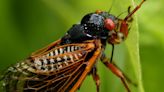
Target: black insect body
63,65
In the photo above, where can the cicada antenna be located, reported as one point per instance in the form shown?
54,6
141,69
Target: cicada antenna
121,13
111,6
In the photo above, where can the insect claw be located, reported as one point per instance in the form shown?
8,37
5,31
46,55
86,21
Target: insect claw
135,9
129,9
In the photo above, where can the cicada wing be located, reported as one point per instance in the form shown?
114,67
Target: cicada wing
54,70
47,48
13,74
61,81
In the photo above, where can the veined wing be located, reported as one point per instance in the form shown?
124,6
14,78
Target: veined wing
53,70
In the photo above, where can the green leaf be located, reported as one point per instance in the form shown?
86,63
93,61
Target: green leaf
133,48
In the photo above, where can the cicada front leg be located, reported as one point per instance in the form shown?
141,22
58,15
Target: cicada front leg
96,78
115,70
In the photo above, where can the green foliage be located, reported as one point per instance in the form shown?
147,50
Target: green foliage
152,44
27,25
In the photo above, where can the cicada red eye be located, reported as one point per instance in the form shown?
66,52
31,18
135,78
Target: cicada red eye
109,24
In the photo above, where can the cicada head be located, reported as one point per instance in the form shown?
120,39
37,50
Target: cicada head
106,26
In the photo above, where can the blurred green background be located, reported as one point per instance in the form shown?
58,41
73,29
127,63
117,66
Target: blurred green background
27,25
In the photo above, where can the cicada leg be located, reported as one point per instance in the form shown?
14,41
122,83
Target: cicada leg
96,78
110,65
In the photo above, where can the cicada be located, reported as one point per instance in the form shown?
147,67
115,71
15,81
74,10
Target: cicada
63,65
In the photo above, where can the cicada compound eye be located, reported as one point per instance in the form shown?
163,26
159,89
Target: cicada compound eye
109,24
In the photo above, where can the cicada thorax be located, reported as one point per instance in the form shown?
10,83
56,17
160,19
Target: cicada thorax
51,69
